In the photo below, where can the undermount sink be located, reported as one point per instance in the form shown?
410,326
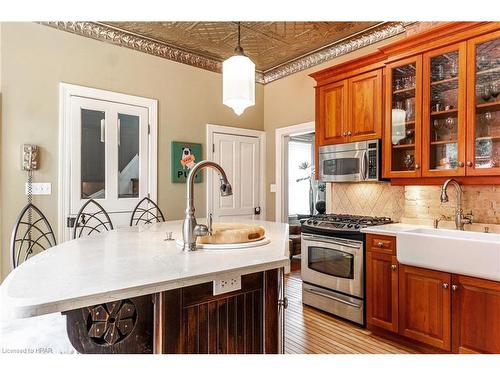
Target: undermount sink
466,253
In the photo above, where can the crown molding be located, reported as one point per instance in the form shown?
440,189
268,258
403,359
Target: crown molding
122,38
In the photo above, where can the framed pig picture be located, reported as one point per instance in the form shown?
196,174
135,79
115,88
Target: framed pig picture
184,156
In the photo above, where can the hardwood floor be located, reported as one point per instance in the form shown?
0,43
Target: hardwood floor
311,331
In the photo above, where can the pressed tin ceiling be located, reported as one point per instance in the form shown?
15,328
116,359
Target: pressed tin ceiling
277,48
267,44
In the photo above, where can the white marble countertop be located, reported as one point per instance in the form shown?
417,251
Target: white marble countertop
126,263
391,229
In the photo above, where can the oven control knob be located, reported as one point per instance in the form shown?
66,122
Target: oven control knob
309,221
315,222
349,225
357,226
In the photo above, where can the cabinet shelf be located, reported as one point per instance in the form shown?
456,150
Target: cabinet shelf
488,71
409,145
444,113
402,91
488,105
443,142
445,81
490,138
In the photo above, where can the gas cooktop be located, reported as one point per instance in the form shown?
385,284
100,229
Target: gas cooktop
341,222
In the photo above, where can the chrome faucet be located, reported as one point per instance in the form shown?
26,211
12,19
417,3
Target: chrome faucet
460,218
190,228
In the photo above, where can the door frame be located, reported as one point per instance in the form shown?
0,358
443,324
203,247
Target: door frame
280,168
231,130
66,91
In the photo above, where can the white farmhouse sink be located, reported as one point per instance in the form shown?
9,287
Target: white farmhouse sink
465,253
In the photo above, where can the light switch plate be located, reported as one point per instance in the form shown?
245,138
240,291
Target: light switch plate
272,187
40,188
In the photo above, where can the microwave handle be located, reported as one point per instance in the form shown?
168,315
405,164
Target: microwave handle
364,165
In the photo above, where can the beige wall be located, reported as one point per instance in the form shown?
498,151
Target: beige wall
36,58
290,101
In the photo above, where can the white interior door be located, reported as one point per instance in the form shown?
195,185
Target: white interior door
109,156
240,158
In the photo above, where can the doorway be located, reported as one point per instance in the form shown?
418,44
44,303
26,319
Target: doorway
107,152
241,152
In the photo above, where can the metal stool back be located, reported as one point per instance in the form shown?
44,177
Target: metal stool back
146,212
32,234
91,219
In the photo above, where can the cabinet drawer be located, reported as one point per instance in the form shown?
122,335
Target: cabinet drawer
381,244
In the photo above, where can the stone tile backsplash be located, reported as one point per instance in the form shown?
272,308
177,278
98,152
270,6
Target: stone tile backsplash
414,203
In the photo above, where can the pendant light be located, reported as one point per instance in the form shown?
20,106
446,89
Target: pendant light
238,80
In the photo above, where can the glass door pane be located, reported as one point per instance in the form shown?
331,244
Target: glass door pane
93,158
403,117
443,122
128,156
487,105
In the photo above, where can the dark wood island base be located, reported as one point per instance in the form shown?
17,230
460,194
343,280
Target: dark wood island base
187,320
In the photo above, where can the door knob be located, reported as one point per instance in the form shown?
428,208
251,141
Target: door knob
445,285
380,244
461,164
469,164
349,132
417,166
344,134
393,267
454,287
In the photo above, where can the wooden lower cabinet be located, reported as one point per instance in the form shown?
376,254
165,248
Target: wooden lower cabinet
382,290
425,306
475,315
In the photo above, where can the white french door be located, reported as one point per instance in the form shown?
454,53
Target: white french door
240,158
109,156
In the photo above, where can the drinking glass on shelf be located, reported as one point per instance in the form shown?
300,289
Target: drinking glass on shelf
482,62
453,69
439,72
485,92
450,122
397,84
494,89
408,161
413,81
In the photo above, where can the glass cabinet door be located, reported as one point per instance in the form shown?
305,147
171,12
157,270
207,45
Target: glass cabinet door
403,104
483,153
443,125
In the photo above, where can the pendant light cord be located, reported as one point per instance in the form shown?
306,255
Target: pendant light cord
239,34
238,50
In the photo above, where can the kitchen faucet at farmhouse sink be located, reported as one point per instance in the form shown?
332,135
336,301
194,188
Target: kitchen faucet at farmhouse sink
460,218
190,228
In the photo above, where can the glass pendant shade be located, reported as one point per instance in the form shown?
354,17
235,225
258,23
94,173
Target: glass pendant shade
238,83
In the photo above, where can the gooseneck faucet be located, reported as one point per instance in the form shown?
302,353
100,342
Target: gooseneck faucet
190,228
460,218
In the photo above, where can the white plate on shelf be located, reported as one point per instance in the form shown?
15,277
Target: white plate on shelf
228,246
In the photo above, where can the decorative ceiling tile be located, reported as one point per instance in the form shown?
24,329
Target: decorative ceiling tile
277,48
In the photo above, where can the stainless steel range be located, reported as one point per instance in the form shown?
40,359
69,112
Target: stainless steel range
333,252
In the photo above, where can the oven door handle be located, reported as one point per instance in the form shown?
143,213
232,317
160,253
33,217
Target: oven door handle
326,295
324,240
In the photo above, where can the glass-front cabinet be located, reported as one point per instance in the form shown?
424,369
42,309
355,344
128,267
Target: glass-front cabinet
402,146
443,112
483,105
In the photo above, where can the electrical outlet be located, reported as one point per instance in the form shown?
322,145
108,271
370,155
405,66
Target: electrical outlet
227,284
40,188
272,188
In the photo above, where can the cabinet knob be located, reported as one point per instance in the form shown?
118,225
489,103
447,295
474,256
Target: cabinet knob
461,164
349,133
469,164
454,287
380,244
417,166
344,134
445,285
393,267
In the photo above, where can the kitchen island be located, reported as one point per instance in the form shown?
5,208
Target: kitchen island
132,290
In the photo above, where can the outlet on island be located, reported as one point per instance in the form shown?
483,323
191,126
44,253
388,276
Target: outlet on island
227,284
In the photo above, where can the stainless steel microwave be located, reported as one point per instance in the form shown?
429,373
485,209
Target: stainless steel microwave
350,162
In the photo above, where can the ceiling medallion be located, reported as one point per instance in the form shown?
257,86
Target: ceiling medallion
105,33
238,80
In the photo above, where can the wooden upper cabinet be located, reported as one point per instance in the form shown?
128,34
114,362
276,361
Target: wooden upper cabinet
332,113
483,105
476,315
382,290
403,103
444,111
425,306
365,106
